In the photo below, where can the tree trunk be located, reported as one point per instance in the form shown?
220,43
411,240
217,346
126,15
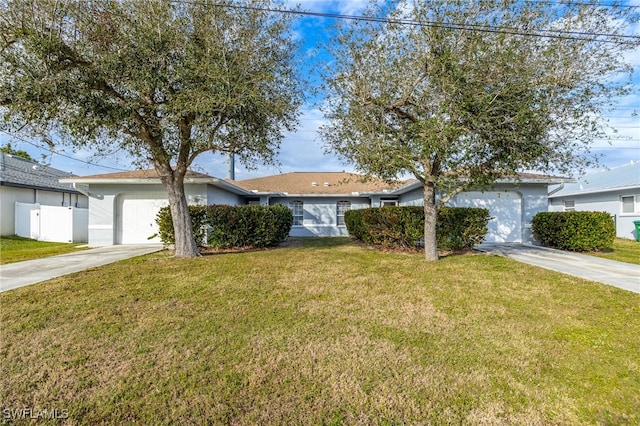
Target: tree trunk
430,219
185,242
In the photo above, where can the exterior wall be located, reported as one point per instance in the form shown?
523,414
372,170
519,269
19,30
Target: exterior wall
412,198
377,200
64,199
320,215
609,202
103,206
216,195
9,195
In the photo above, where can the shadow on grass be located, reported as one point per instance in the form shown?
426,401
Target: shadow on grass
314,243
290,242
604,251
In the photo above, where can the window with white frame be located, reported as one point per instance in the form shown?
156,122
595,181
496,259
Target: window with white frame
628,204
297,207
342,207
569,205
386,202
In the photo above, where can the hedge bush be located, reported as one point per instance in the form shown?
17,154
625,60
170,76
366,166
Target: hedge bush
460,228
223,226
457,228
164,219
387,226
574,231
248,226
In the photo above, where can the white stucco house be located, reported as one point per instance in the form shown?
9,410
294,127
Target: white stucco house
615,191
321,198
123,206
34,204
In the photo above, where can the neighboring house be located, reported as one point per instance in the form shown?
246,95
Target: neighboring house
123,206
615,191
29,183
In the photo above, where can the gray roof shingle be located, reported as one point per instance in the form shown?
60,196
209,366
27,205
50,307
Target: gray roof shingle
20,172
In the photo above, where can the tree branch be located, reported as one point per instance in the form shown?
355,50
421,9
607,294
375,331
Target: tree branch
210,146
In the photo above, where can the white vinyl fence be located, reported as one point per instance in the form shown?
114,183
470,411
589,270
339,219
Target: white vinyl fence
52,223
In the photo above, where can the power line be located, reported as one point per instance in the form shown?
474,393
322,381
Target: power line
546,33
21,139
595,4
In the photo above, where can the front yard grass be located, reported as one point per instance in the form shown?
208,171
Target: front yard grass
623,250
17,249
322,332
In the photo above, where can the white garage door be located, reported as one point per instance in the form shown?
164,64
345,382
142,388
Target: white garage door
505,208
137,217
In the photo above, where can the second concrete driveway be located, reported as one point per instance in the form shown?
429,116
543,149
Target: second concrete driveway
619,274
20,274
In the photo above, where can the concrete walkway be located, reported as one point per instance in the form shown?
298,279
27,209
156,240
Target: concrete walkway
618,274
20,274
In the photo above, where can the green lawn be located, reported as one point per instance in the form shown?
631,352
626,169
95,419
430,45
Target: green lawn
623,250
17,249
322,332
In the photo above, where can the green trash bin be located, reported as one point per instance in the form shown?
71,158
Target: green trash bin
637,224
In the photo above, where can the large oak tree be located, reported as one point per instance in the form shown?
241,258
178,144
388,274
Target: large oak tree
164,81
460,93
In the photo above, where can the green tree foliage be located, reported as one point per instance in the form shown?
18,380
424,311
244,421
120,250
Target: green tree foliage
8,149
462,93
164,81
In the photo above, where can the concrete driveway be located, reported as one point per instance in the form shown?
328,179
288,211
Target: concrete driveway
618,274
20,274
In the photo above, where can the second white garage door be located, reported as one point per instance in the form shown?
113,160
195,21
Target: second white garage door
137,217
505,208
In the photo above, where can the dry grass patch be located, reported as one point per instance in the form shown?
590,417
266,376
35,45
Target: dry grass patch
322,332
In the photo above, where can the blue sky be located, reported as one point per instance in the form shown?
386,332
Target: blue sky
303,150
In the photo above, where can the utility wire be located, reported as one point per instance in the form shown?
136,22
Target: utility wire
21,139
546,33
578,3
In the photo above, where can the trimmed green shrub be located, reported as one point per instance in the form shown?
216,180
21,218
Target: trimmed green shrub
390,226
248,226
574,231
232,226
164,219
354,221
460,228
457,228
